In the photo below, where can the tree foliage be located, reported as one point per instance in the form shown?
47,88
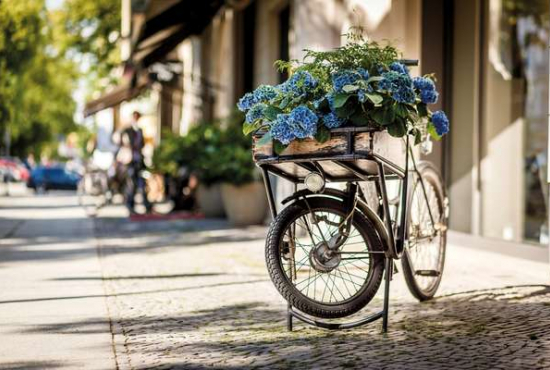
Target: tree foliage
36,83
89,31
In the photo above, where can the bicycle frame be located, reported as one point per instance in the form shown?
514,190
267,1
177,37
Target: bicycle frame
387,170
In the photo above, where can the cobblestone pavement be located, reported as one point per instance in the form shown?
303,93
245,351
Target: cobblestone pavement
197,295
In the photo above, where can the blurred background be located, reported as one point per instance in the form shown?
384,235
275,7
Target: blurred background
73,71
110,100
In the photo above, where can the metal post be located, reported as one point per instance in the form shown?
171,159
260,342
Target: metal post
289,317
386,207
389,272
403,204
269,191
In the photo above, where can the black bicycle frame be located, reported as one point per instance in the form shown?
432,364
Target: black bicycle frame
386,169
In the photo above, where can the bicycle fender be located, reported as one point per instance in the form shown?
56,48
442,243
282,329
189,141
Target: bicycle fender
377,222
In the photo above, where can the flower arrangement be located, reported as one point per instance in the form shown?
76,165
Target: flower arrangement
359,84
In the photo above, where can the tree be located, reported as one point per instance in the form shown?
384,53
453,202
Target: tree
19,39
36,83
90,30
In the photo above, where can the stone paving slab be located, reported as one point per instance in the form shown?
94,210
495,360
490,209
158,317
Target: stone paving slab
47,319
198,296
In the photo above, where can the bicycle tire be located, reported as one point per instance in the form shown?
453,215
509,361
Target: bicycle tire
287,289
432,180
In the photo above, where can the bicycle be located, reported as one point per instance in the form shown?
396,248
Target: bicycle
327,251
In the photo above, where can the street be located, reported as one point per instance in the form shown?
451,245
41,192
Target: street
107,293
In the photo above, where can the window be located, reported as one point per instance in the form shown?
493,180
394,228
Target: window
514,132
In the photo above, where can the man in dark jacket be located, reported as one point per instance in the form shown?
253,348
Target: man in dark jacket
133,141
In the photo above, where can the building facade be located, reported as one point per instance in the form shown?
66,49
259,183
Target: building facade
491,61
490,58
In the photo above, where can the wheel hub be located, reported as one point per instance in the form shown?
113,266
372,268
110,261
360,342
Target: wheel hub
323,259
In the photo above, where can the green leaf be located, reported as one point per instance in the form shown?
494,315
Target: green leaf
417,136
346,110
397,129
384,116
350,88
251,127
278,147
376,99
323,105
340,100
375,79
285,102
265,139
433,132
271,112
422,110
401,110
360,119
323,134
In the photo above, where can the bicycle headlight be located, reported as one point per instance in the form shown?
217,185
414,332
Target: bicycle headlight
314,182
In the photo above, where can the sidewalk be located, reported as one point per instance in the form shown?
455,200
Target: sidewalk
47,319
195,294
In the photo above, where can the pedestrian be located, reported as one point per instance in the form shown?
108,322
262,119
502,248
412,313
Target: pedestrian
132,141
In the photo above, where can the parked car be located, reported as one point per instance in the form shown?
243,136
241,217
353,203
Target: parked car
53,178
14,169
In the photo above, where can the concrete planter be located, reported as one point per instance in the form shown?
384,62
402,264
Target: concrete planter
210,200
245,204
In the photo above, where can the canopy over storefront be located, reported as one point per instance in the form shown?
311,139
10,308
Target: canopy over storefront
157,34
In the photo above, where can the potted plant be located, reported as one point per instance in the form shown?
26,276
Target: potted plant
361,84
208,137
243,194
171,160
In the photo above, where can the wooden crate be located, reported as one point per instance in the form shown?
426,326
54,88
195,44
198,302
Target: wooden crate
393,149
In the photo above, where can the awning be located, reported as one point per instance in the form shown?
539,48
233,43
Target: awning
158,36
166,30
114,97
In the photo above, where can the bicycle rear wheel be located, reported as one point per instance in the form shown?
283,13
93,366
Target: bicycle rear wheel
424,257
316,280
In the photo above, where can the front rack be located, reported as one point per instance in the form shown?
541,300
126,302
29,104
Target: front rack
351,155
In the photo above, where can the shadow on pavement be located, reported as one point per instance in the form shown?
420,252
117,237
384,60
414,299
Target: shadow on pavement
502,328
71,238
506,328
31,365
154,291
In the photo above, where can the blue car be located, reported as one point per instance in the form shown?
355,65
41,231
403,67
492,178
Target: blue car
53,178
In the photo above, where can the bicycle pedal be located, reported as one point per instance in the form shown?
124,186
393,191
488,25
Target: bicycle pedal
395,269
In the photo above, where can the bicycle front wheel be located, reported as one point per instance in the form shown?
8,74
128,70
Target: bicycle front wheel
318,280
424,256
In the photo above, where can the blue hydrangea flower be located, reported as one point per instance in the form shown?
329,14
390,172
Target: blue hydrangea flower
429,96
423,83
255,113
399,85
281,129
440,122
300,123
304,122
263,94
426,87
246,102
331,120
300,84
348,77
330,99
399,68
